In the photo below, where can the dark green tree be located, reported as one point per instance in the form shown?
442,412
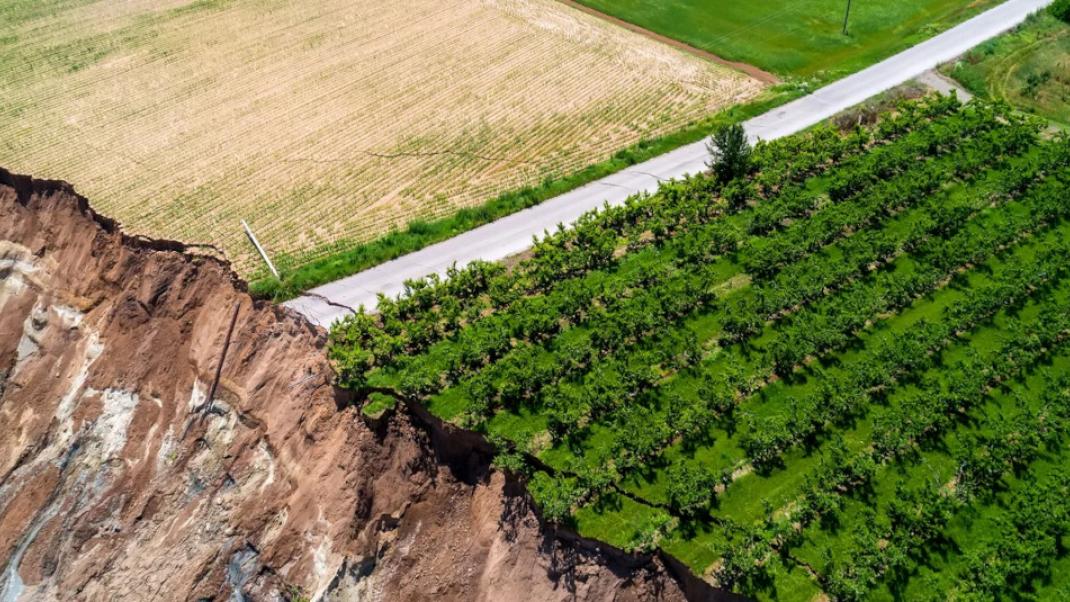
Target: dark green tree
1061,10
690,489
554,496
730,152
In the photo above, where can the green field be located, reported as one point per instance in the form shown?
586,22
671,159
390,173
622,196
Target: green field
795,38
1028,67
842,374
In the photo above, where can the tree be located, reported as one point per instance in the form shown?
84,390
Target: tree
554,496
744,565
511,461
1061,10
730,152
690,489
740,321
650,531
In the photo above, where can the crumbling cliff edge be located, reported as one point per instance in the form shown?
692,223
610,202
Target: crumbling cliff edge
120,479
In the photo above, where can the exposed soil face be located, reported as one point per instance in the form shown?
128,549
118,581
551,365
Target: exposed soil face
118,480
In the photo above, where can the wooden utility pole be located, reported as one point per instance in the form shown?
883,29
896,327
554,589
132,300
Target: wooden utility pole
846,15
259,249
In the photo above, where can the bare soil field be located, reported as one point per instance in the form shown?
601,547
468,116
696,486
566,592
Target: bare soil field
326,125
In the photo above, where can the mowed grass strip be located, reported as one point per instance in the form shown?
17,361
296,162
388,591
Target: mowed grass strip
331,124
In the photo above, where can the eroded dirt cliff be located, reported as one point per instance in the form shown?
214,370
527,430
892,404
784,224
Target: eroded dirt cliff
120,480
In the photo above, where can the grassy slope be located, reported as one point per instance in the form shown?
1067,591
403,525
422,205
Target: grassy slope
801,38
1028,67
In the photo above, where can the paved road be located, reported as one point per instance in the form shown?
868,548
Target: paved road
513,234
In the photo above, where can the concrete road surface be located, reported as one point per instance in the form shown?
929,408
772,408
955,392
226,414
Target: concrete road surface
513,234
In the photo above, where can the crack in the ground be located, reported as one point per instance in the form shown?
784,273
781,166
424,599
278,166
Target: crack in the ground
400,155
447,152
611,184
646,173
809,568
329,302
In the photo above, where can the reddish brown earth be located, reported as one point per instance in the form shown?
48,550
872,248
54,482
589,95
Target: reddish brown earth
118,480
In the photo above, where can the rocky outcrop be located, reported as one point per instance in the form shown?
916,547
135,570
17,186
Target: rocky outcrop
121,480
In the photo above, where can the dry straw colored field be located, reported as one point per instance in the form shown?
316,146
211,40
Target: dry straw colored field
326,123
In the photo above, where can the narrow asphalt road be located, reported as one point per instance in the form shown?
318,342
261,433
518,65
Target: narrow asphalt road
513,234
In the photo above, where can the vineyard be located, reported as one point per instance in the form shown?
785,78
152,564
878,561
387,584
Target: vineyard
842,375
328,125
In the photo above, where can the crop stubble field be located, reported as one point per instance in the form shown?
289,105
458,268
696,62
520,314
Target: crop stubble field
843,376
326,125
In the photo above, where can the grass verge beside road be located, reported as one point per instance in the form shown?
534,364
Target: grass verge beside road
422,233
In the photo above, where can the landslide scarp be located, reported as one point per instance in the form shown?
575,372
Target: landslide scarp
121,479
